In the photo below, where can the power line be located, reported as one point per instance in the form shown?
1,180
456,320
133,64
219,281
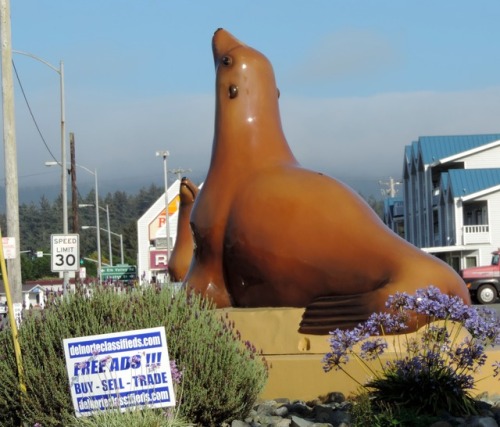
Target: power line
31,112
391,189
179,171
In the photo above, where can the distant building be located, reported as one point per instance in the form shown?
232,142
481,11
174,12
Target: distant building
452,197
33,296
152,236
394,214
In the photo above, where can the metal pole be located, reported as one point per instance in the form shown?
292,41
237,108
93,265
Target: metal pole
167,220
74,193
64,171
109,238
10,151
165,154
98,230
121,249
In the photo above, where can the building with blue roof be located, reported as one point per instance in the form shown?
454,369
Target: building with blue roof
451,197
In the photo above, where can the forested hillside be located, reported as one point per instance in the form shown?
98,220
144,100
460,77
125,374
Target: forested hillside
37,221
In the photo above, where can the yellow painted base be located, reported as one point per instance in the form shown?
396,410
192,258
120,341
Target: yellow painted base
296,369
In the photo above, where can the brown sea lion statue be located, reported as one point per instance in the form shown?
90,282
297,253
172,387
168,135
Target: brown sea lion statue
182,253
269,233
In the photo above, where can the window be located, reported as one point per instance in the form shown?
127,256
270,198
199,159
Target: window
470,261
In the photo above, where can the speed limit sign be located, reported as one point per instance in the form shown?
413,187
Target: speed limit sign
65,252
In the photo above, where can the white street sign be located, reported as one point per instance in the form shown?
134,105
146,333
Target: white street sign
9,247
65,252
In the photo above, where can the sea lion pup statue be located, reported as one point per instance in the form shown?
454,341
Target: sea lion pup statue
180,259
269,233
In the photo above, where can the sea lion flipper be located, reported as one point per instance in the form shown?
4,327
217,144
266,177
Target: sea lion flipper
327,313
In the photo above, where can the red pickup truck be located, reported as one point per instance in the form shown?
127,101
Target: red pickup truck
484,282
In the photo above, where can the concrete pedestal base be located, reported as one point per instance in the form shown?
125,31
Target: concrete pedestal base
296,369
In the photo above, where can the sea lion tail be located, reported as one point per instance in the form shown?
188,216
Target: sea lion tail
325,314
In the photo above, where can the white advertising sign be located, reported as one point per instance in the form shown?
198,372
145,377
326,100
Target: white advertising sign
65,252
119,371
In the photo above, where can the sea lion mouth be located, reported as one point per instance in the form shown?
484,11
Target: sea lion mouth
223,42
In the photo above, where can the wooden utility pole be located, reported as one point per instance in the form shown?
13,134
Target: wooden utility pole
74,192
10,153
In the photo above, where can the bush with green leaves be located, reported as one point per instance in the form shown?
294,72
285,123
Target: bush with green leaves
221,376
432,371
364,413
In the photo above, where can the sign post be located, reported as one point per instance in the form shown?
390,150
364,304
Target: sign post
65,252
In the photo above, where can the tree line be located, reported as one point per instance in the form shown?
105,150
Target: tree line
38,221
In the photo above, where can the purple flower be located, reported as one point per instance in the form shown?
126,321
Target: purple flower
334,361
370,350
433,335
412,346
431,302
483,325
469,355
105,360
399,301
385,323
176,372
432,361
341,342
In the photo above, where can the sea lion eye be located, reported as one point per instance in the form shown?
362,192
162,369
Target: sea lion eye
233,91
227,60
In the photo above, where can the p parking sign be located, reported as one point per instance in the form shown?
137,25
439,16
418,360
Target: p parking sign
65,252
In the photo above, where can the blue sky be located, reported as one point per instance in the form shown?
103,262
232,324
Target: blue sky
358,80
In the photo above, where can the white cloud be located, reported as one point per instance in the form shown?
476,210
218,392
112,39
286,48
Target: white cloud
366,136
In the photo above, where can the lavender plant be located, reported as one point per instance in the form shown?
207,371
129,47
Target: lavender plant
431,371
221,376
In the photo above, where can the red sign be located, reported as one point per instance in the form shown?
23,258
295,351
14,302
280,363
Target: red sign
158,260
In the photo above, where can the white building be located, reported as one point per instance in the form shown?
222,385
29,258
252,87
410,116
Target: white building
452,197
152,235
33,296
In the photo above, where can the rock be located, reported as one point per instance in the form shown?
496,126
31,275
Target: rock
441,424
479,421
333,410
300,422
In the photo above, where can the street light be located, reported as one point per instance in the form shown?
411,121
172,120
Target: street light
98,229
85,227
165,155
85,205
99,262
64,187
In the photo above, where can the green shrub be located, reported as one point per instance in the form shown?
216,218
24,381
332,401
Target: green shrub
365,412
222,376
135,418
